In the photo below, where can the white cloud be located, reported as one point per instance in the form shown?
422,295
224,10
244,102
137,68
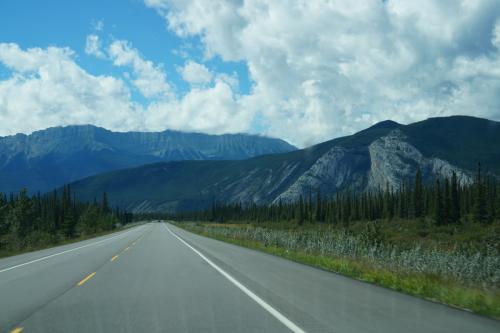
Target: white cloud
327,68
47,88
149,79
212,110
210,106
495,38
195,73
93,46
319,69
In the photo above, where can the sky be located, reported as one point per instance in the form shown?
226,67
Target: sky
304,71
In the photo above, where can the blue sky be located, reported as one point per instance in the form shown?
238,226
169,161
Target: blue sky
305,71
62,23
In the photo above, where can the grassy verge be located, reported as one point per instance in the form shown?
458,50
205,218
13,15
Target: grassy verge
429,286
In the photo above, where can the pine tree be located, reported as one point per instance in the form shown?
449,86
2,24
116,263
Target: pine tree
346,209
490,200
387,209
213,211
105,204
21,216
447,202
479,199
497,206
455,200
319,210
301,210
54,213
3,211
67,217
404,200
438,204
309,207
418,199
69,222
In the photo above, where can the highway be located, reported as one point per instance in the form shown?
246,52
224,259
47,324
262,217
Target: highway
159,278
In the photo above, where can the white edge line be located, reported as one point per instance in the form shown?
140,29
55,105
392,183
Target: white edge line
63,252
284,320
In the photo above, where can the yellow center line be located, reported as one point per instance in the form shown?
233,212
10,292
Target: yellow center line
114,258
86,279
127,248
17,330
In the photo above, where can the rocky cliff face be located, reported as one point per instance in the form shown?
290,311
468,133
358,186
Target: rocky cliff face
49,158
167,145
338,169
389,160
385,154
394,159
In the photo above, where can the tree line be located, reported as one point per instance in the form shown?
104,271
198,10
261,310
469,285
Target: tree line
447,201
33,221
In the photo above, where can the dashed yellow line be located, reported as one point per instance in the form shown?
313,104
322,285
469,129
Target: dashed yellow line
88,277
17,330
114,258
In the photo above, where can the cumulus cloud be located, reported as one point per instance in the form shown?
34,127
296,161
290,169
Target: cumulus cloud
318,69
321,69
149,79
93,46
195,73
213,110
47,88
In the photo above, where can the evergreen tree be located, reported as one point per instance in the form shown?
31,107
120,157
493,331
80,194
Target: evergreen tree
319,212
490,200
214,210
3,220
438,204
309,208
418,199
68,223
387,205
301,210
479,199
22,217
497,206
447,202
455,200
105,204
23,214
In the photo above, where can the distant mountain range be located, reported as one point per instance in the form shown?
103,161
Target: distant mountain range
384,154
49,158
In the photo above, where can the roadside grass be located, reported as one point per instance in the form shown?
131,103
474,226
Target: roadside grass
477,298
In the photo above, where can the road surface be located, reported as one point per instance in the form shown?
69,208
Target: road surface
159,278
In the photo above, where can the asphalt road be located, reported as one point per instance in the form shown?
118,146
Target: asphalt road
159,278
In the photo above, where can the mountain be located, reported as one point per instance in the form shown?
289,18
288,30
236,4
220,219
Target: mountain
386,153
49,158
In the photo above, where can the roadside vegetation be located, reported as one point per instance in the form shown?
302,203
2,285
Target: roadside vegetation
440,242
30,223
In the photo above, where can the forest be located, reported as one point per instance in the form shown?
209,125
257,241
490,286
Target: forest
29,222
446,202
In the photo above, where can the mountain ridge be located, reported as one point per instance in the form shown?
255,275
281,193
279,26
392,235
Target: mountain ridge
49,158
367,160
